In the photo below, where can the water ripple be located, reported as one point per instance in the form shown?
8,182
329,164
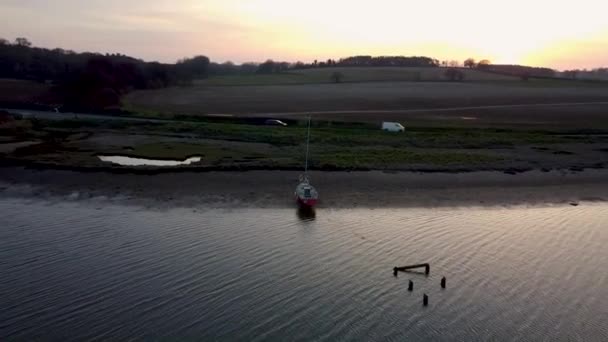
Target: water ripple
72,272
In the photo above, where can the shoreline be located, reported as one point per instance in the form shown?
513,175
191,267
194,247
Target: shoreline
107,167
274,189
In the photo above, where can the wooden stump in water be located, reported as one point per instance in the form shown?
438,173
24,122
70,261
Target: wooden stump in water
427,268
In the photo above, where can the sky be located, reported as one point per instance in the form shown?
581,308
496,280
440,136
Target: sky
554,33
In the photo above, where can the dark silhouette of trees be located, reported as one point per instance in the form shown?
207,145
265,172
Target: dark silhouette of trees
22,61
388,61
597,74
470,63
520,70
249,68
572,74
22,42
92,80
195,67
267,67
188,69
271,67
483,63
227,68
369,61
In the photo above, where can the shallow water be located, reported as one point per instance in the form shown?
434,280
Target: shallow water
76,271
131,161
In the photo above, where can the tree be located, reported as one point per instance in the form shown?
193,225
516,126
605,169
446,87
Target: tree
337,77
266,67
195,67
22,42
248,68
453,64
4,41
483,63
470,63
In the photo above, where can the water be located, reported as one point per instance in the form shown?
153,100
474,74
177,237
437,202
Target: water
76,271
131,161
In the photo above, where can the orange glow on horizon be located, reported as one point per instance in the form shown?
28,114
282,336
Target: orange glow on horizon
553,33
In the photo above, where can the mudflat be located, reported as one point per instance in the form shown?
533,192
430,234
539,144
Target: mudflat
374,189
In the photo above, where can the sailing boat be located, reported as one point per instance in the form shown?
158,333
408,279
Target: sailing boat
306,194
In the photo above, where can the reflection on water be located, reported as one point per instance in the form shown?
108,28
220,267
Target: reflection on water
131,161
80,272
306,213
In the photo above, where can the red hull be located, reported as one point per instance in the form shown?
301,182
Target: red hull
310,202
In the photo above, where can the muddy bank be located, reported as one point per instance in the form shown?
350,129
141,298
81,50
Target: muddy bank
338,189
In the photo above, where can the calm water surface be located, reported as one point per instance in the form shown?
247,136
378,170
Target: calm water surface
132,161
76,271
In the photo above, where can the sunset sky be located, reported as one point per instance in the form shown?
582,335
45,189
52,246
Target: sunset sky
554,33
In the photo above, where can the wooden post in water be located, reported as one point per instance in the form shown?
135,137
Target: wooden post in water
425,300
443,282
427,268
410,287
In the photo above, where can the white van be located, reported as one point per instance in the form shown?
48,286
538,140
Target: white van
392,127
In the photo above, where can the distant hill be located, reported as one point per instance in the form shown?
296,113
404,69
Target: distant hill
368,74
520,70
352,74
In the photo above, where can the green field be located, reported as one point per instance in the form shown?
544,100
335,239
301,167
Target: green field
350,74
346,127
334,146
367,92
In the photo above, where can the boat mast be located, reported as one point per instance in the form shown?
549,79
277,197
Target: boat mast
307,146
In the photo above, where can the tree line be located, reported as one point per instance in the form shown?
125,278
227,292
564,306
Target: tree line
91,80
354,61
597,74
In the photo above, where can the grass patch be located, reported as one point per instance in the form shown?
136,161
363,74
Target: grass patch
332,146
323,156
351,74
262,79
338,135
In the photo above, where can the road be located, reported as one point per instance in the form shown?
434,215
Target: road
78,116
83,116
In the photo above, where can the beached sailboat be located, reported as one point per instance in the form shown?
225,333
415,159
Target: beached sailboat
306,194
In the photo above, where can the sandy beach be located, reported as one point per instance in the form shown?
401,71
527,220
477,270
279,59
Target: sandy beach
373,189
